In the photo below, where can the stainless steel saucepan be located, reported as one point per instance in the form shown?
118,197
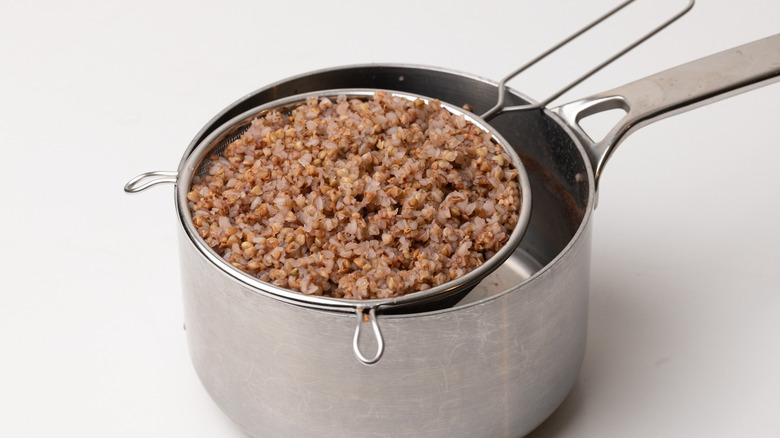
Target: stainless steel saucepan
497,363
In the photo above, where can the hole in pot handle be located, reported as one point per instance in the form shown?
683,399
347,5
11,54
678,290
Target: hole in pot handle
149,179
369,317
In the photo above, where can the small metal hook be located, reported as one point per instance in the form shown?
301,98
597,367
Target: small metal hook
380,343
149,179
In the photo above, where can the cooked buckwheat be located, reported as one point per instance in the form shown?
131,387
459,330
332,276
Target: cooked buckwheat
358,198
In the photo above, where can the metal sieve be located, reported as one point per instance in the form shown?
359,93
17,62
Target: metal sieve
434,298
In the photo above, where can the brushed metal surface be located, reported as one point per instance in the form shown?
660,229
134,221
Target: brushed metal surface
495,368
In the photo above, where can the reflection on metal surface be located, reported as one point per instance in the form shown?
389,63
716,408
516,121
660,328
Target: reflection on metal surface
518,268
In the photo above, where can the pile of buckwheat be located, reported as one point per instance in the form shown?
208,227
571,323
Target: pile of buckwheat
358,198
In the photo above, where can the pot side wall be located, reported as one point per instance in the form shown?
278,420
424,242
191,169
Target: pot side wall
494,369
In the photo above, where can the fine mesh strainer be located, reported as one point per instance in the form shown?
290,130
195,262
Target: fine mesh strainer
215,143
436,297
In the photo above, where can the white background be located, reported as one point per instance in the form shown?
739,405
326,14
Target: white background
685,290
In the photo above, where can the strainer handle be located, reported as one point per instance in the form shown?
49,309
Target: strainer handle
362,316
674,91
149,179
499,107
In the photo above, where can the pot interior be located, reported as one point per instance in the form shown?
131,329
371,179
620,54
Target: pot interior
561,177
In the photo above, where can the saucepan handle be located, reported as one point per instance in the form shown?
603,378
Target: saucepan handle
674,91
